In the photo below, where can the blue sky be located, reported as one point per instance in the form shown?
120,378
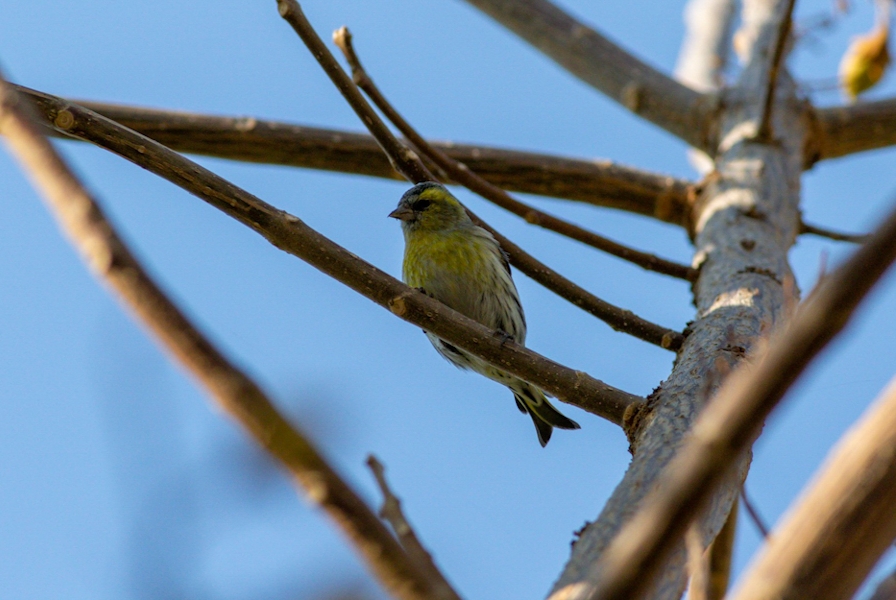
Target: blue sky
121,481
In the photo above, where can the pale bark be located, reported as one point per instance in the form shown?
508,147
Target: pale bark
707,44
746,221
837,531
704,55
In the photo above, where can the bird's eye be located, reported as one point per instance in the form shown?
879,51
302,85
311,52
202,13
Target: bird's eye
421,205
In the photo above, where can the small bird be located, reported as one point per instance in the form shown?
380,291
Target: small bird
460,264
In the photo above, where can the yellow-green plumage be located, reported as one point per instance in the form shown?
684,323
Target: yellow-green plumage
462,266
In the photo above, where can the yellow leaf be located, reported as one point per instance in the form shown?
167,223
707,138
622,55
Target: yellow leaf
864,62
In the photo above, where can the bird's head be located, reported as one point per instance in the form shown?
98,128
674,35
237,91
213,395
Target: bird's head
429,206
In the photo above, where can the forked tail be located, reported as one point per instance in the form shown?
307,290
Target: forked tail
532,400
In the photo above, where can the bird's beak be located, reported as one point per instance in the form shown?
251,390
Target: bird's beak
403,213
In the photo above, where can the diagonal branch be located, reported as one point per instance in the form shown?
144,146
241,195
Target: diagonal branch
291,235
111,260
72,121
598,182
843,522
409,164
608,68
845,130
468,178
735,416
392,513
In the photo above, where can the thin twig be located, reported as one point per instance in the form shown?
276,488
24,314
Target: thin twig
111,260
291,235
248,139
764,131
731,421
855,238
392,513
466,177
757,519
619,319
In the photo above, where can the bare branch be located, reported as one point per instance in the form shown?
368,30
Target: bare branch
291,235
704,54
463,175
744,222
598,182
757,519
617,318
391,512
720,557
709,569
855,238
843,522
859,127
111,260
730,423
707,44
698,565
603,65
764,130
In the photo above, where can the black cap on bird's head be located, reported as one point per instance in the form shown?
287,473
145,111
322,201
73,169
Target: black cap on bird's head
429,205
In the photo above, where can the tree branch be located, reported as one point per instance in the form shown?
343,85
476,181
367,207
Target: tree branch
753,513
111,260
463,175
707,44
709,570
291,235
764,129
843,522
704,55
720,557
603,65
391,512
844,130
247,139
744,222
733,419
402,158
855,238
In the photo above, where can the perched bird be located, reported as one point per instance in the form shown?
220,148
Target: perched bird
460,264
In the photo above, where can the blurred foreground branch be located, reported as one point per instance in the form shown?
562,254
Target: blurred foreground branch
733,419
844,521
111,260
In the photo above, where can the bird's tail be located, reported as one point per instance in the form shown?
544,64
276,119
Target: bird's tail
532,400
